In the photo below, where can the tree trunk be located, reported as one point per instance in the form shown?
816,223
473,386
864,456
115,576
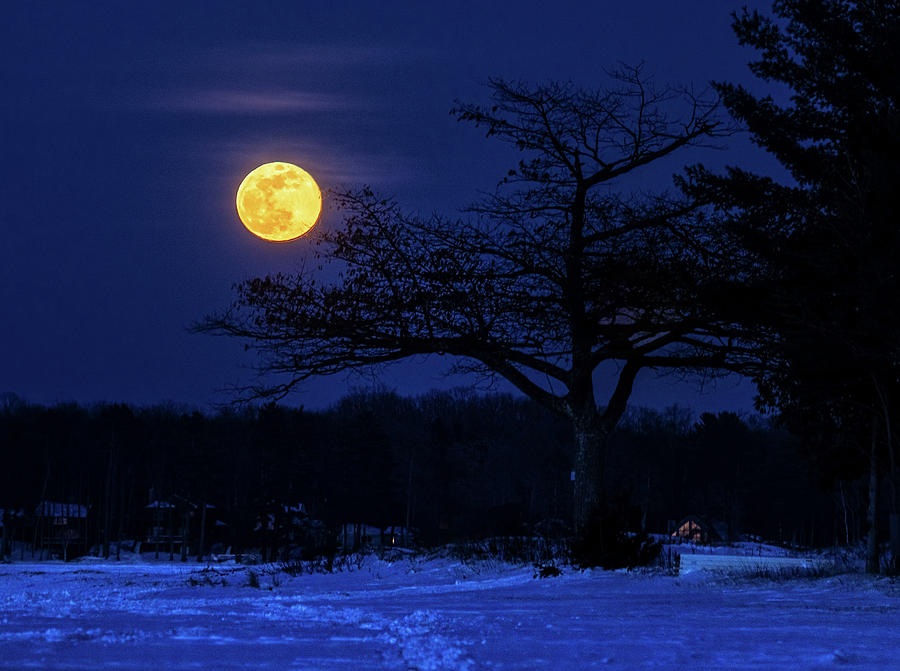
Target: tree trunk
201,551
895,543
171,537
184,534
844,510
590,443
107,498
409,497
872,558
889,443
120,527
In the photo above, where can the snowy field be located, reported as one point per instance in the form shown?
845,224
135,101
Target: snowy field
437,614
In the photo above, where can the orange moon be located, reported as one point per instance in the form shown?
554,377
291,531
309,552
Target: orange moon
279,201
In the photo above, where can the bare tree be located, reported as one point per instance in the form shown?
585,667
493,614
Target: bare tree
560,270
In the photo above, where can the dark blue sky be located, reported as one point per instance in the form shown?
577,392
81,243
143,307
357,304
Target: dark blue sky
127,127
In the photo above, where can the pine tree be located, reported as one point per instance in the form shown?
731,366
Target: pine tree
820,252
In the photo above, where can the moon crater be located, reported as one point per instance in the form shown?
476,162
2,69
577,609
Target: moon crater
279,201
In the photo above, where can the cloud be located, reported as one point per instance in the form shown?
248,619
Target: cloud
266,78
327,108
334,163
241,101
276,57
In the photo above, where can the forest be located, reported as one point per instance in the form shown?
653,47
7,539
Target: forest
569,267
432,469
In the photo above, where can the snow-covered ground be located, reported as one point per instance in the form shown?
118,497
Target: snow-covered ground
436,614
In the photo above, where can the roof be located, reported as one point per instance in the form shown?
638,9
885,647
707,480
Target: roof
694,524
56,509
169,504
160,504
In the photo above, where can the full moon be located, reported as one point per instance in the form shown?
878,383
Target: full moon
279,201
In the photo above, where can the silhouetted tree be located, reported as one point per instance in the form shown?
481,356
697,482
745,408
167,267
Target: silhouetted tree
560,271
484,465
826,245
117,435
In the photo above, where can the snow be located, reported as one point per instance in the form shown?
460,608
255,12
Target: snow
746,548
750,564
435,614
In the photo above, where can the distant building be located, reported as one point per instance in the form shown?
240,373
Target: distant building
61,529
14,525
355,536
179,525
696,529
161,527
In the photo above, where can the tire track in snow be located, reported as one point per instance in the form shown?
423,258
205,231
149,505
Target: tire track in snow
422,647
420,641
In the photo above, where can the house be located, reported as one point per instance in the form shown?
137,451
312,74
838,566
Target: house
15,527
161,527
284,529
696,529
181,526
61,529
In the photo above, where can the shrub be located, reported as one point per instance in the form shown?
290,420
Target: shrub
605,543
514,549
547,571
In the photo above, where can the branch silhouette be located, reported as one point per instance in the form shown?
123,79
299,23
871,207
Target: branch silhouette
556,272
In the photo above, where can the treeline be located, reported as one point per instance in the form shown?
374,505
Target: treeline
450,465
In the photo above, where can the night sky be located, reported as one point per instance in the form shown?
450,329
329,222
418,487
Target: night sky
126,128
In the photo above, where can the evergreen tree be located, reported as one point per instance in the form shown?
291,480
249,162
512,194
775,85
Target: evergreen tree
819,284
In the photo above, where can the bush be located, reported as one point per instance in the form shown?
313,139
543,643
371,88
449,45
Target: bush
207,576
513,549
546,571
323,564
605,543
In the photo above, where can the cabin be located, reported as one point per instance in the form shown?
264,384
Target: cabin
61,529
697,530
